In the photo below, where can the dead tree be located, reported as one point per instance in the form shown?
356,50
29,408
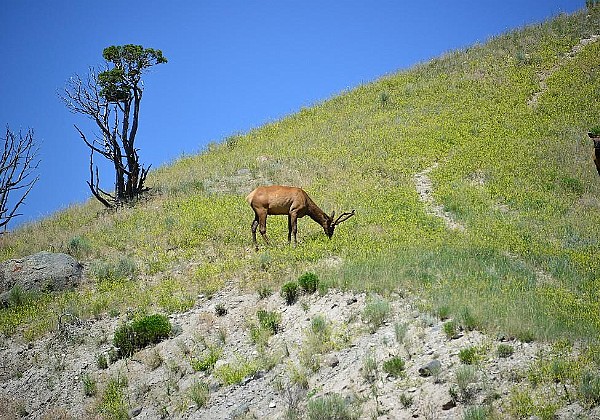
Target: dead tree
17,165
111,98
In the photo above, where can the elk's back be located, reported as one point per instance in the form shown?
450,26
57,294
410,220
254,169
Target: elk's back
276,199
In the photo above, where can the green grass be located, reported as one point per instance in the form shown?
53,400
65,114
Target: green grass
518,177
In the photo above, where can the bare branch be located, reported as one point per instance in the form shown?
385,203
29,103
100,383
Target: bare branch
18,162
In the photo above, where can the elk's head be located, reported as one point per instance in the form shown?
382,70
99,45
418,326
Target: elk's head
332,223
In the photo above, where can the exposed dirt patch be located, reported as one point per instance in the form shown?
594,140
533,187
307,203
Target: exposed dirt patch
544,75
45,378
424,187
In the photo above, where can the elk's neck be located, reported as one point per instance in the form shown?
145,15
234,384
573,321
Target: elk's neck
315,213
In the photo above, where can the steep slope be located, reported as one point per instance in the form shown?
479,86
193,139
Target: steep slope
498,130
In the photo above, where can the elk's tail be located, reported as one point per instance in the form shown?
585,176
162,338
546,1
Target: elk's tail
250,196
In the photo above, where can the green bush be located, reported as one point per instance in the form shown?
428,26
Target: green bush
269,320
309,282
595,131
394,367
504,350
138,334
289,292
469,355
79,246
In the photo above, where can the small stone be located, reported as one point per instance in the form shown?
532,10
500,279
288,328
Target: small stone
448,405
135,411
272,404
430,368
331,361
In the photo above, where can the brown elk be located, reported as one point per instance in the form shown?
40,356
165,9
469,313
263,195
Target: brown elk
596,155
293,201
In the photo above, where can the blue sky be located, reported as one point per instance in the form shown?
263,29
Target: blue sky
233,65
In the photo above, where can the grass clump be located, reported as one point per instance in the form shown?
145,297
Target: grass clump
89,385
113,404
589,388
332,406
289,292
124,268
207,362
376,312
477,412
450,329
199,393
308,282
234,373
149,329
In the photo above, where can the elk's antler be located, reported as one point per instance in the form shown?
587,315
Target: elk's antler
343,217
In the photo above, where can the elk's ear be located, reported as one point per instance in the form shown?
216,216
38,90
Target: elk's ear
332,214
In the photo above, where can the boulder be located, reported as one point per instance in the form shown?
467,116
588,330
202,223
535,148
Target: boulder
44,271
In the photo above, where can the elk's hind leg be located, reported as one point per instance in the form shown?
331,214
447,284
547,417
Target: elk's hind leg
254,226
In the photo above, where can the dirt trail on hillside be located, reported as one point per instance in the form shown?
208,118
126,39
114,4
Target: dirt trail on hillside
424,187
544,75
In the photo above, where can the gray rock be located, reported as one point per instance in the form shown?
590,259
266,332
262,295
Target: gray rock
430,368
44,271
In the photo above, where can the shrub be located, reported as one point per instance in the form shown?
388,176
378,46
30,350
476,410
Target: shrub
376,312
504,350
78,246
465,376
443,312
595,131
138,334
124,268
394,367
308,282
468,355
269,320
289,292
332,406
234,373
101,361
264,292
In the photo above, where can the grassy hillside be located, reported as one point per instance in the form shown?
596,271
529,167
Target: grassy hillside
506,123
